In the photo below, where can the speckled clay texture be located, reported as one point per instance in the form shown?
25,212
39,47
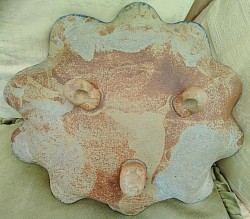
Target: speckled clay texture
161,103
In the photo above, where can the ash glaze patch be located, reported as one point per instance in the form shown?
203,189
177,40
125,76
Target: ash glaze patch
194,141
139,64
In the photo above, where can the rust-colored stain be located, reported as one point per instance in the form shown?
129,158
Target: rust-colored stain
106,188
15,133
90,19
133,90
108,30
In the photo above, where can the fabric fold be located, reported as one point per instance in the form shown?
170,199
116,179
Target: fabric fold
228,197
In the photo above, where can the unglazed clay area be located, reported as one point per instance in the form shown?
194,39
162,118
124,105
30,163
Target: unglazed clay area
128,113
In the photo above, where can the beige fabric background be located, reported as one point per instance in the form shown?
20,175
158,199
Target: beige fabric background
227,23
25,26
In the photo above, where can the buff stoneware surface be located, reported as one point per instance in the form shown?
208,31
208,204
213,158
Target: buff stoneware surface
129,112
